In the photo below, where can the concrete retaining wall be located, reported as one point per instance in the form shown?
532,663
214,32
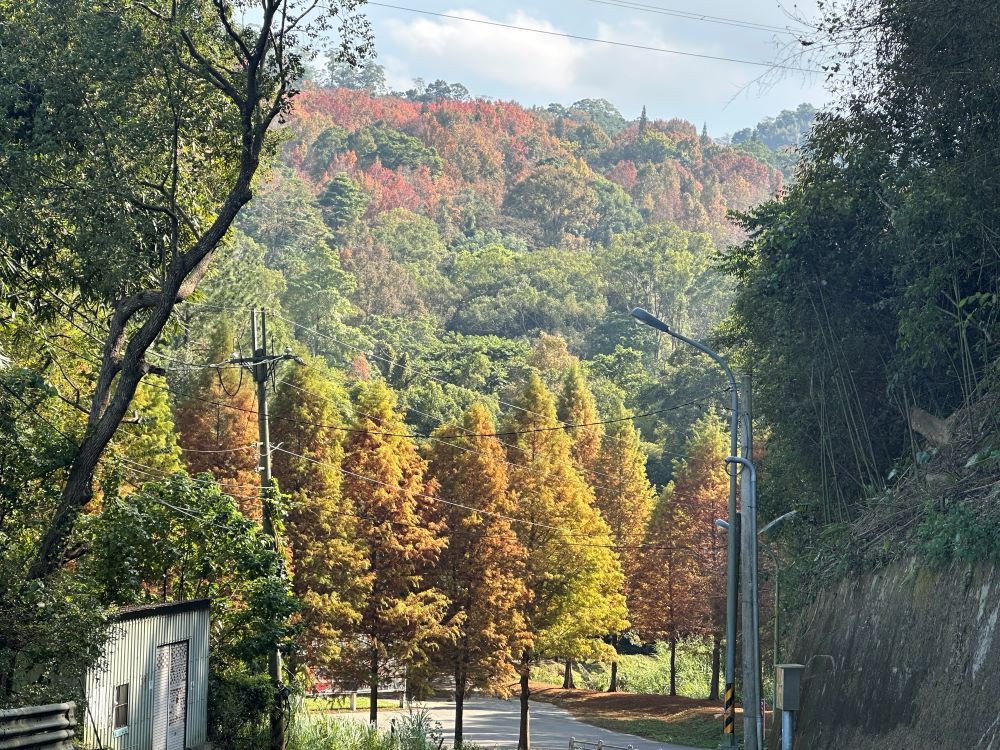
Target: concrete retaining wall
907,657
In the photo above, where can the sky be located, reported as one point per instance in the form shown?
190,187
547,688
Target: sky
531,68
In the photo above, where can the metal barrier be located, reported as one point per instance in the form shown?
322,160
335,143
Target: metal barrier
38,727
575,744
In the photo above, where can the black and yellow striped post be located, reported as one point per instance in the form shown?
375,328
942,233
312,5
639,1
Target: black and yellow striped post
730,726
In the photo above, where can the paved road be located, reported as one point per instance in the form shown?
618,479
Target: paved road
490,722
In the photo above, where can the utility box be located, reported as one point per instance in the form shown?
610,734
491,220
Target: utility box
787,682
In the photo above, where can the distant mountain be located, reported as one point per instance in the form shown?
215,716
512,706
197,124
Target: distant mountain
775,140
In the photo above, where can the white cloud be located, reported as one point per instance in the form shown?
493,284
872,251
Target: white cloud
531,62
537,68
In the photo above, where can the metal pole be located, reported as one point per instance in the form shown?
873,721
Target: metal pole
774,651
787,729
753,727
732,561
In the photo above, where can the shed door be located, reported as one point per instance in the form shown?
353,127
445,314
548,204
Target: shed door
170,699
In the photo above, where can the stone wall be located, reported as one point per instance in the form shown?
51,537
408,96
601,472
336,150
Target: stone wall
906,657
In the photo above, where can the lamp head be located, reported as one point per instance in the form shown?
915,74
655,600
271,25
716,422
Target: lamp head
724,525
644,317
780,520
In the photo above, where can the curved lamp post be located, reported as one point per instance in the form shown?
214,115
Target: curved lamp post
774,524
733,542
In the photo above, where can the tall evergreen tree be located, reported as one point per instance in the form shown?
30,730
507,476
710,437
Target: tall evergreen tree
625,499
481,569
329,572
385,483
570,566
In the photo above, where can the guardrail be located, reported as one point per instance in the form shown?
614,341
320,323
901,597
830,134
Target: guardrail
575,744
48,727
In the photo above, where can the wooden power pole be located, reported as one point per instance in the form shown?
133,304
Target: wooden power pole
261,365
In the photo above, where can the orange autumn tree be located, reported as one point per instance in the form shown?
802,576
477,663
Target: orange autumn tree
571,569
701,486
217,426
625,499
386,485
328,571
684,544
667,604
481,569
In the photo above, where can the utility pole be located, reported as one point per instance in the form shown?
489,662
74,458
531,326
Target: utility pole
750,612
261,365
732,526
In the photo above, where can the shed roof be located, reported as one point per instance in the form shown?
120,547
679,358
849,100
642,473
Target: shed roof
137,611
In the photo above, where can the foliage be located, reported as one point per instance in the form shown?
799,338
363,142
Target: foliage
307,406
481,569
642,673
958,533
576,589
386,489
413,731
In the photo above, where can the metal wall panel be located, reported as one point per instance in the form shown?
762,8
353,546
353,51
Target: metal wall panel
130,657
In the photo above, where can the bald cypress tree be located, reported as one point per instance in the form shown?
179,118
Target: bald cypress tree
481,569
386,485
683,543
329,573
217,422
578,406
571,568
625,499
701,486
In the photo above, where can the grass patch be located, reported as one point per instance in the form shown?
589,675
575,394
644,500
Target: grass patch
694,728
638,673
343,703
661,718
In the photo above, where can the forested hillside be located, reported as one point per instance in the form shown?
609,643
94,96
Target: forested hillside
476,451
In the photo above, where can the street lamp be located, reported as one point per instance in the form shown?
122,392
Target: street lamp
776,523
733,542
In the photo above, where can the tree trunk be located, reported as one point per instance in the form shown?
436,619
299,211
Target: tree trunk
673,666
613,686
568,682
459,704
524,734
373,689
713,689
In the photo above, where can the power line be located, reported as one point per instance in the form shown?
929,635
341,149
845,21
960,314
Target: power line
425,374
611,42
660,10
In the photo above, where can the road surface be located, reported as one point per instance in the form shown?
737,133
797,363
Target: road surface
491,722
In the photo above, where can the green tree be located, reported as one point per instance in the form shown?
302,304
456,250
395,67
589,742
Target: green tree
343,204
558,199
369,75
152,160
182,538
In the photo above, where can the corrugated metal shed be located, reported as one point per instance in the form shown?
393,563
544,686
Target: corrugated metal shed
150,690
